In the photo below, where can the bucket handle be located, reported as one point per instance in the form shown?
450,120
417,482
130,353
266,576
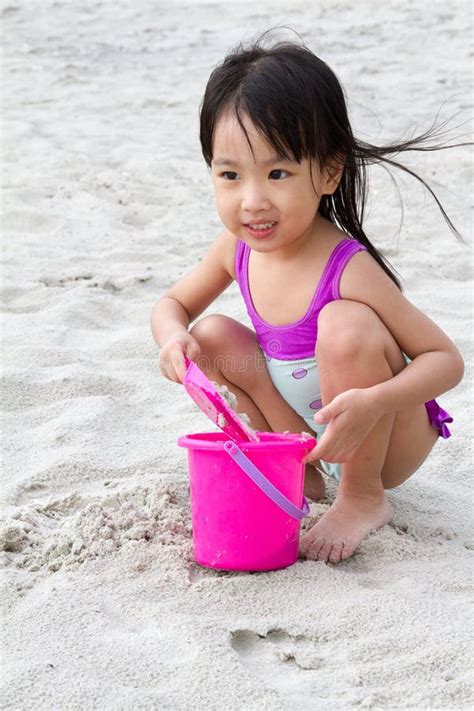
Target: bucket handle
264,484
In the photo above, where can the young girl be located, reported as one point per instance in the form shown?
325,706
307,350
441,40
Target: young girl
336,345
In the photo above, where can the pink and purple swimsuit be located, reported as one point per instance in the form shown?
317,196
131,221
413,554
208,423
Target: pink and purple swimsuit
289,350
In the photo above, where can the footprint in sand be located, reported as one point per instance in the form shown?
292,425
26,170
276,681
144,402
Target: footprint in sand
291,665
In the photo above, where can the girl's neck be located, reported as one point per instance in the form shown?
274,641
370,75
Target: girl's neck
320,232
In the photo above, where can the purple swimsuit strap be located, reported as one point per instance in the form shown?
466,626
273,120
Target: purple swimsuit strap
326,290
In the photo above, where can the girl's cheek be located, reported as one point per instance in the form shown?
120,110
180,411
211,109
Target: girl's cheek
223,213
223,203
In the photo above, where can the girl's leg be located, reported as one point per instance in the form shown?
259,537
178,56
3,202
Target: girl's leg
351,335
231,356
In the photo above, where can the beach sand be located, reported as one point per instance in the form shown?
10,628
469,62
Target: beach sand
107,201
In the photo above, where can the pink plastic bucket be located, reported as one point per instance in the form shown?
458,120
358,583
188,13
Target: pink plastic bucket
246,500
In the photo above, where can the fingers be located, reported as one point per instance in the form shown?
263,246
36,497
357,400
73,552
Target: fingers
332,409
326,413
179,365
322,416
310,457
330,450
172,363
320,451
192,349
172,357
168,371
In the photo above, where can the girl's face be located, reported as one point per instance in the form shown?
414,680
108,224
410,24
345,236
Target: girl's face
260,190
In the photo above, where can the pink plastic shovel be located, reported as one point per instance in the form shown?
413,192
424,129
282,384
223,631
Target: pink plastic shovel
204,394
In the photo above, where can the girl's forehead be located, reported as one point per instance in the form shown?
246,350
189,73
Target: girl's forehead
230,139
228,123
231,145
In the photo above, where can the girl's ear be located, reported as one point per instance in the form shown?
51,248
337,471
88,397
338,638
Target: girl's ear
333,174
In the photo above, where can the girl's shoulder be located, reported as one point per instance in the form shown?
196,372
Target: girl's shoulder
364,280
362,271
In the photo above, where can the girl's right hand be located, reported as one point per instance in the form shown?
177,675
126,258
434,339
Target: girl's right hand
172,354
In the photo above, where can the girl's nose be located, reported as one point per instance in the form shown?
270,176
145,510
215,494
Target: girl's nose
255,200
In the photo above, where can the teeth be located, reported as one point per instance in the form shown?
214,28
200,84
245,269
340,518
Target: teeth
264,226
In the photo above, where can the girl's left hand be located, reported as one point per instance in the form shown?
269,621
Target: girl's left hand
351,415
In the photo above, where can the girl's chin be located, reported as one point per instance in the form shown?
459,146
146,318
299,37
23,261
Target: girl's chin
260,245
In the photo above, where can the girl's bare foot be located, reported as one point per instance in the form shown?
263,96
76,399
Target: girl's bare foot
344,526
314,487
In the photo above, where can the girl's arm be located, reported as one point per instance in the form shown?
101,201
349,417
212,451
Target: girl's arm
437,364
186,300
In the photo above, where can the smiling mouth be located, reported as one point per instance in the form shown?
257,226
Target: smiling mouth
260,225
261,230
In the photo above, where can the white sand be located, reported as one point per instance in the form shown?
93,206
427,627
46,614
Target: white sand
107,203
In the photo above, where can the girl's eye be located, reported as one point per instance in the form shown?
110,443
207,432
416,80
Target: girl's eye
231,175
228,172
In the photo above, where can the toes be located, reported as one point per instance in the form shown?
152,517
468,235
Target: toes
347,551
312,547
336,553
324,551
308,540
305,543
303,548
328,552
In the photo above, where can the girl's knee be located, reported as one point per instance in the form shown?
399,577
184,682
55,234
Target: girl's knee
225,338
229,347
211,329
345,328
348,329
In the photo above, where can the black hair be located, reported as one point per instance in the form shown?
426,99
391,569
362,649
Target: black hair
297,104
